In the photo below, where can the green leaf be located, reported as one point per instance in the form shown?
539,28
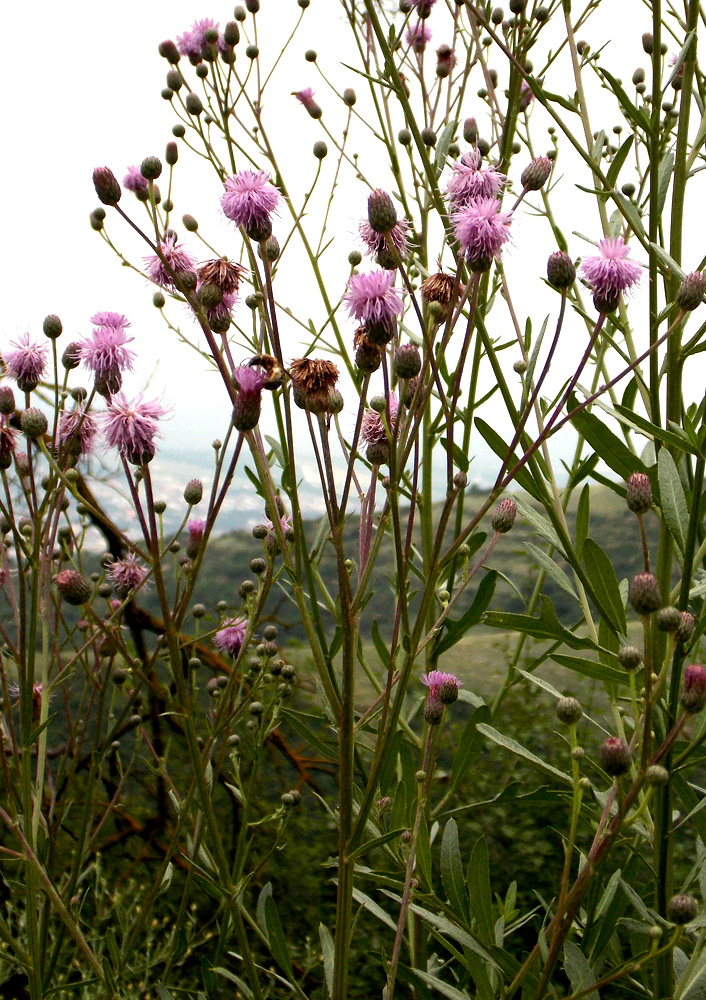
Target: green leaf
618,161
672,498
600,572
669,265
630,213
520,751
539,523
614,452
583,518
380,841
664,177
456,933
442,146
678,440
636,115
441,987
546,563
382,650
295,720
468,746
388,770
480,899
579,971
457,628
592,668
372,907
452,871
231,977
424,852
164,993
494,441
546,627
276,938
327,950
460,457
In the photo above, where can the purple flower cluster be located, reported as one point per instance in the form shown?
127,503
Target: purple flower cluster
249,200
230,637
134,181
417,36
481,229
609,273
191,44
126,574
470,180
373,300
131,427
172,261
26,362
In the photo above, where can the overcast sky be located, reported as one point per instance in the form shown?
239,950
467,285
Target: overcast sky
82,88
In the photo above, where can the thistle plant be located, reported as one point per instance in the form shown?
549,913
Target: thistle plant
137,712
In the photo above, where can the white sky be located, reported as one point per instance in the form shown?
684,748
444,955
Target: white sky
82,88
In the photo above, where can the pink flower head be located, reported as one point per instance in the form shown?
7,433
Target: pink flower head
442,686
422,7
469,180
372,299
271,541
249,199
77,431
126,574
372,428
377,243
196,528
230,637
134,181
191,43
26,362
306,99
250,380
132,427
246,410
176,260
610,273
526,96
104,352
115,321
418,36
481,229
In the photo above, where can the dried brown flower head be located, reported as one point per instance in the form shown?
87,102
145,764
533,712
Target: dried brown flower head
313,374
439,288
223,273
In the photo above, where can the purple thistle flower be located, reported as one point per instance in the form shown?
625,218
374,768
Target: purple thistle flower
196,528
104,352
371,298
481,229
250,198
132,427
178,259
246,411
469,180
77,431
435,680
372,428
116,321
610,273
134,181
190,44
377,243
126,574
306,99
418,36
26,363
230,637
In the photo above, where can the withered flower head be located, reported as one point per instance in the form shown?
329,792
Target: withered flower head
440,288
313,379
223,273
313,374
271,367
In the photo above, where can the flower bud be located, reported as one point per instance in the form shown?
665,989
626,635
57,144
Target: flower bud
52,327
504,516
71,358
320,149
33,422
407,362
686,627
382,215
644,593
349,97
433,709
470,130
656,775
561,272
367,356
193,491
648,42
569,710
535,175
615,756
691,291
72,587
693,692
668,619
193,104
629,657
151,168
448,691
682,909
7,400
639,493
169,51
171,153
106,184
